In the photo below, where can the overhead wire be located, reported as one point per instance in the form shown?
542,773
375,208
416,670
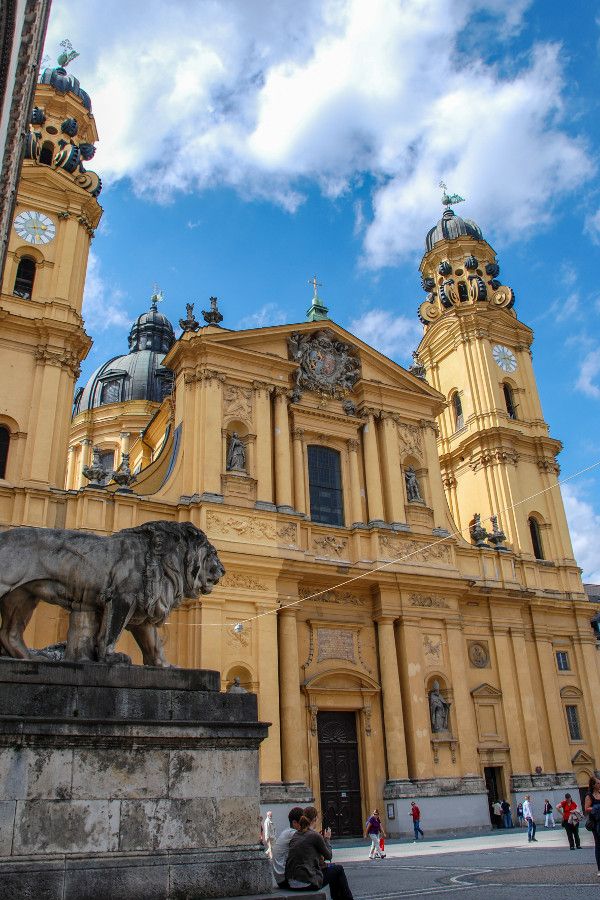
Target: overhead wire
386,565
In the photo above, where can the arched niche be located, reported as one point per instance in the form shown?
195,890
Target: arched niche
242,672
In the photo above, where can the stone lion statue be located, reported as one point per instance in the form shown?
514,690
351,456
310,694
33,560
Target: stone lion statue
131,579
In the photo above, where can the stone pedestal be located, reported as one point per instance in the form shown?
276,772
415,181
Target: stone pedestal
127,782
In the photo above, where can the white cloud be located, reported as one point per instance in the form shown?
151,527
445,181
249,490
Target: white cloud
394,336
262,96
592,226
565,309
268,314
102,302
588,371
191,225
584,525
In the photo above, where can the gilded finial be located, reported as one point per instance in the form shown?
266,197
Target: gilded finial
68,53
316,284
157,297
449,199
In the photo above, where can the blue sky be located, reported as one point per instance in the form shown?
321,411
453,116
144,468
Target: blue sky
245,145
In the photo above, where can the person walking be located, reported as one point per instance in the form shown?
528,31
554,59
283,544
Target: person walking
415,812
571,818
592,809
506,814
375,832
269,834
548,816
520,819
530,819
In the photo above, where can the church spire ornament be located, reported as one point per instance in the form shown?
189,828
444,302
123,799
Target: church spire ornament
317,311
212,316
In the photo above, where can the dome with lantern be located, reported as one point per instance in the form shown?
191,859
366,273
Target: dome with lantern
140,374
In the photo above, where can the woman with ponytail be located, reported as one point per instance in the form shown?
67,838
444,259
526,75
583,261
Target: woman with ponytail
307,867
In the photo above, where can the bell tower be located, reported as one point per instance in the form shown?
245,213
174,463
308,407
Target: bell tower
495,452
42,335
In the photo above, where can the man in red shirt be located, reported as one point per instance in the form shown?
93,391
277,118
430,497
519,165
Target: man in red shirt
570,822
415,812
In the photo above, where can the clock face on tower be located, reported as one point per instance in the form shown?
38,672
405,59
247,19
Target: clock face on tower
504,358
34,227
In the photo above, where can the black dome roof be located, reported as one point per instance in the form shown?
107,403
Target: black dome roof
60,79
139,375
451,226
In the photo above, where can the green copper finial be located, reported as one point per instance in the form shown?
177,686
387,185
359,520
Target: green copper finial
449,199
67,55
317,310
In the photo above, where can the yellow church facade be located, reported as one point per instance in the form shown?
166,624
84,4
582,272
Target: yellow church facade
403,643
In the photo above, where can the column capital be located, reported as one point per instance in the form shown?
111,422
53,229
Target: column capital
298,434
125,434
281,392
385,618
353,445
262,386
290,612
370,411
209,375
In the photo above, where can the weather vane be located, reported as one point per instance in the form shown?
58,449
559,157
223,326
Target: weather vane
315,285
68,54
449,199
157,296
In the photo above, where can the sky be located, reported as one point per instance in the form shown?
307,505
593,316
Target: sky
246,145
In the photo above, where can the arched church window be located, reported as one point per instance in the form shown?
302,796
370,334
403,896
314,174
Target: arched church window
111,391
536,538
509,400
24,278
458,411
325,481
47,153
4,442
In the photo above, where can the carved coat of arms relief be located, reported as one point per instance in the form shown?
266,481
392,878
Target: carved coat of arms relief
326,365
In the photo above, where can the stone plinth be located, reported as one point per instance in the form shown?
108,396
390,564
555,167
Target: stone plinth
127,782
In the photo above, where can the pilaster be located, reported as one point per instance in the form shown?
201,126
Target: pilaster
283,467
292,731
264,445
356,513
409,648
372,470
393,719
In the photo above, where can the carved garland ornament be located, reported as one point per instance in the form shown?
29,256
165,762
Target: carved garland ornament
258,528
337,597
428,602
326,365
235,580
413,551
329,545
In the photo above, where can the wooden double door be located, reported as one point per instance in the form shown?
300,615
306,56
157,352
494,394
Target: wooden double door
340,775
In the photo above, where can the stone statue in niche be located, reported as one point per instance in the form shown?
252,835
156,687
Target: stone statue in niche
412,485
236,454
439,709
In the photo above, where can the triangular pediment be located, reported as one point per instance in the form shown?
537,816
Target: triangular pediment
271,345
582,758
486,690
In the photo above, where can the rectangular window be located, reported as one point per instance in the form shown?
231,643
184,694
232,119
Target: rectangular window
562,661
325,482
573,723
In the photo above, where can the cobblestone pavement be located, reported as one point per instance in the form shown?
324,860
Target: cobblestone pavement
501,866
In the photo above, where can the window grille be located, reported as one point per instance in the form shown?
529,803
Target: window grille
509,400
536,538
24,278
325,481
4,442
573,723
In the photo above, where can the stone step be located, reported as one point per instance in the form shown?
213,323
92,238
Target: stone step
284,895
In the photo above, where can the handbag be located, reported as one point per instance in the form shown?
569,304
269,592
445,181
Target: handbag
381,844
589,824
